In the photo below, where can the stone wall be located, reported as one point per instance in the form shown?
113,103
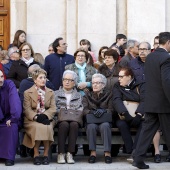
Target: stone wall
96,20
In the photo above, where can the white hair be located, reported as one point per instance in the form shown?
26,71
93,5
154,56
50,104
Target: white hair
75,77
101,76
131,43
12,50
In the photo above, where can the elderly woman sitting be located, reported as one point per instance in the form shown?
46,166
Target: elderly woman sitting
39,109
128,90
98,102
67,97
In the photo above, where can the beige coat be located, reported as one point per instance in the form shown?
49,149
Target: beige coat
34,130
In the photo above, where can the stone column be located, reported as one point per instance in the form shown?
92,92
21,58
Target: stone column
18,16
145,19
167,19
121,14
71,25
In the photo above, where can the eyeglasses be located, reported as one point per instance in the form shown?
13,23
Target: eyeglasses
97,83
81,56
26,50
50,50
68,80
119,76
17,51
143,49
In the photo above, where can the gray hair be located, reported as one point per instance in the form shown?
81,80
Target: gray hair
144,42
32,68
101,76
75,77
12,50
131,43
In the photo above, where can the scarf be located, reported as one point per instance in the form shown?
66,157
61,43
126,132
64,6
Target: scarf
68,95
28,62
41,100
129,86
81,71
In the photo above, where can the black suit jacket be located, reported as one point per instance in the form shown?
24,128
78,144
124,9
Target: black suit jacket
157,74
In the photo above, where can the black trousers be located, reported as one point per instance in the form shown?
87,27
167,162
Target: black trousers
149,128
124,128
70,130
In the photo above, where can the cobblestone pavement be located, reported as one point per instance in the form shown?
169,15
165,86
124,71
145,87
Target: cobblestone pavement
119,163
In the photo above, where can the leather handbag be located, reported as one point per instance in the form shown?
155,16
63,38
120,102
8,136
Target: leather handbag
107,117
131,108
70,115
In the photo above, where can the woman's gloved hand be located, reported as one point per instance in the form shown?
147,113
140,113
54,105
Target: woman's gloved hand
41,118
127,116
100,112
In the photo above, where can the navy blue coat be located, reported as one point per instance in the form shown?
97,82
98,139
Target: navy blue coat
137,65
55,66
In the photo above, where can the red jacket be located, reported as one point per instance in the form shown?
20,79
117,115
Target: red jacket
1,68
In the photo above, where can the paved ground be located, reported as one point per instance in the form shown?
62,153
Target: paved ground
119,163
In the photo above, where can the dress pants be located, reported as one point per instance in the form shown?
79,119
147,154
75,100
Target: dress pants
124,128
70,130
150,126
105,131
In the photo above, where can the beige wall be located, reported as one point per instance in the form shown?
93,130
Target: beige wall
96,20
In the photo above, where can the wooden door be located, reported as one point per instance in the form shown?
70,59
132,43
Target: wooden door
4,23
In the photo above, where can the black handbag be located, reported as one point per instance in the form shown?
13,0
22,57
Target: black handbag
106,117
70,115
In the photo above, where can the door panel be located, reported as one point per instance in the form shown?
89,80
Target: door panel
4,23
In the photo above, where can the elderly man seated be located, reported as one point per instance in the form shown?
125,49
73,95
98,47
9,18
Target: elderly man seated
13,54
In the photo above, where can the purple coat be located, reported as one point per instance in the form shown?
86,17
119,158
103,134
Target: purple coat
10,108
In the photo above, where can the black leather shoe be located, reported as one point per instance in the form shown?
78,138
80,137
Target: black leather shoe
37,160
45,160
23,151
157,158
168,158
92,159
141,165
108,159
9,162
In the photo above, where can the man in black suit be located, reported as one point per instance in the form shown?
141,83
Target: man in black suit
157,99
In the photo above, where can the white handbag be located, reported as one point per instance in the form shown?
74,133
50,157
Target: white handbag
131,108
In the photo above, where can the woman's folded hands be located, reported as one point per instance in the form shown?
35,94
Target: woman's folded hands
42,118
98,112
